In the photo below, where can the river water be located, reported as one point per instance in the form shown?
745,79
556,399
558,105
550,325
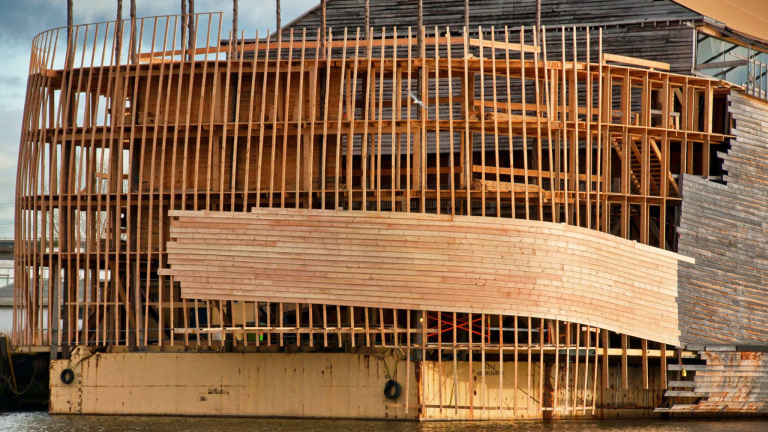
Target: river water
38,421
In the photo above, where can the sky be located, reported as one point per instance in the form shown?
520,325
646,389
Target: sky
21,20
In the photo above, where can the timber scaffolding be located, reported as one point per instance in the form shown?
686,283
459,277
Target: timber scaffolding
123,145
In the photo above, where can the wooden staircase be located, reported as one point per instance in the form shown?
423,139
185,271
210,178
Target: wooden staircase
636,165
729,382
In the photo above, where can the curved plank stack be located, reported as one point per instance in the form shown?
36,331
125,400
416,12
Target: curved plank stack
424,261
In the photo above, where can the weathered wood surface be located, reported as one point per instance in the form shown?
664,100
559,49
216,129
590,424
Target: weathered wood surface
729,382
421,261
723,298
342,13
650,29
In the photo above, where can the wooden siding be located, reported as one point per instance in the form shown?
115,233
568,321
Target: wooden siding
723,296
388,13
459,264
650,29
729,382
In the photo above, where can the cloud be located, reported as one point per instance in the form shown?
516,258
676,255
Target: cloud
20,21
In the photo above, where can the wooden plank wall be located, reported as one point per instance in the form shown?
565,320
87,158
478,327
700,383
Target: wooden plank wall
427,262
729,382
651,29
723,226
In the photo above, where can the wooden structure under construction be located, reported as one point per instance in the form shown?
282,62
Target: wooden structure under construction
460,197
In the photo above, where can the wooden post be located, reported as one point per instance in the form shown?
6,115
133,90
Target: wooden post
323,26
119,28
624,371
466,16
277,16
133,31
606,375
663,366
183,11
420,26
418,140
644,345
234,19
184,19
538,14
191,29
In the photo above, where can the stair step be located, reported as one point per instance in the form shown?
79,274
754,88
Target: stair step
682,393
686,384
679,367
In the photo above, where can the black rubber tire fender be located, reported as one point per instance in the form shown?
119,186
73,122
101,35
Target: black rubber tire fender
392,389
67,376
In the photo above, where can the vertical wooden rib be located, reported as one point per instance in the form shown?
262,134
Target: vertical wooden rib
467,89
324,150
262,114
510,133
551,113
663,369
394,165
538,124
576,368
380,122
556,397
339,122
606,370
287,124
567,383
451,161
351,100
299,113
496,122
587,342
529,364
313,98
249,127
455,368
367,115
424,115
542,327
624,367
408,155
482,122
525,126
517,372
437,123
274,113
236,131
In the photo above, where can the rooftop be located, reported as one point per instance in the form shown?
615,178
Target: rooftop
747,18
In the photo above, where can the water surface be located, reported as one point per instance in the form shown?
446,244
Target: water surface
39,421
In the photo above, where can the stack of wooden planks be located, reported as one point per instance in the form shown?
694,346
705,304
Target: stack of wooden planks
425,261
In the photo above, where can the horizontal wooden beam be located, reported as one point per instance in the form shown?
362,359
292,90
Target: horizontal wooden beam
636,61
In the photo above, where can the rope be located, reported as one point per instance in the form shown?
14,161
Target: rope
383,359
17,393
15,386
